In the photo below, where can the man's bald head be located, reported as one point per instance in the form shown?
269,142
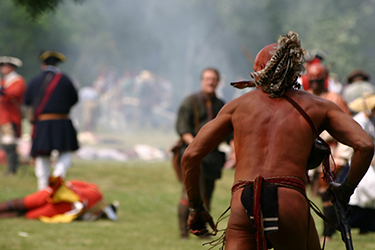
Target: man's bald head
317,75
277,66
316,71
264,56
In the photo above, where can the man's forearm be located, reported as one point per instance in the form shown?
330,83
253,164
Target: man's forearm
360,162
191,175
192,184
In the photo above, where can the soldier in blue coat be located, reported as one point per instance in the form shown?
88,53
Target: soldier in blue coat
50,95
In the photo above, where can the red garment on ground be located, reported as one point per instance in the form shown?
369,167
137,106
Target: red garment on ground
87,191
37,203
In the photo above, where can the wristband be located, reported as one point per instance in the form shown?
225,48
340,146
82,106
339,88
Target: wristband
196,206
347,188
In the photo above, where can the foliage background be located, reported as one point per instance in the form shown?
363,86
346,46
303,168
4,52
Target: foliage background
176,39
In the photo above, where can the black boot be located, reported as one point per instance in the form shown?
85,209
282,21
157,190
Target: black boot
183,215
12,158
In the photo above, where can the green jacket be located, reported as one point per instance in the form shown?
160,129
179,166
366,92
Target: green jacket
192,116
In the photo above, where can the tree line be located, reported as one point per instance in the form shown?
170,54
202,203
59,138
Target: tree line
176,39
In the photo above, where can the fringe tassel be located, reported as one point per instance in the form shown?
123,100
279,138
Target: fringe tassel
328,174
221,239
285,181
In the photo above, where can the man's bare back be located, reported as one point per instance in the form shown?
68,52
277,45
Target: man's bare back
272,139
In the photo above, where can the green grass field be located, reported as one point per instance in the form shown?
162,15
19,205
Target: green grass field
148,193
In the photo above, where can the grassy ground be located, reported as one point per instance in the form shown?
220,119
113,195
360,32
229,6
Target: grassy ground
148,194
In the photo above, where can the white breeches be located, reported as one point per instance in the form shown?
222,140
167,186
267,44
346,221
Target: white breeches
43,168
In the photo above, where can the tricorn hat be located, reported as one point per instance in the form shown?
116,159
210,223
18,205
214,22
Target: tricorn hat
364,103
358,72
10,60
52,54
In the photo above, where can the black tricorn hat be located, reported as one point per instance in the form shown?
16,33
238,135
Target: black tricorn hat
356,73
52,54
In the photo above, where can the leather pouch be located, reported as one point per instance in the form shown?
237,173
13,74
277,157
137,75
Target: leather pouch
319,152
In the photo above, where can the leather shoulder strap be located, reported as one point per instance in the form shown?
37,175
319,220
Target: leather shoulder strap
47,79
48,92
303,113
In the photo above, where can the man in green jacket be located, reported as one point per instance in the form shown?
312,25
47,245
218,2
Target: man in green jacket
195,111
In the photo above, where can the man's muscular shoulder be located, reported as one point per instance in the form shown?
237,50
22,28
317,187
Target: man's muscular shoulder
232,105
319,109
305,97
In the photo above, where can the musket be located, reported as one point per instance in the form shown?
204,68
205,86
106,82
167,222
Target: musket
248,55
245,84
343,217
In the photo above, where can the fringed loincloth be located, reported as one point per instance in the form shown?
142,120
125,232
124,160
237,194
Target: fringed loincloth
257,211
260,200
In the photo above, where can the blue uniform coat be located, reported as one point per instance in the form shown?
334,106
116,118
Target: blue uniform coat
53,134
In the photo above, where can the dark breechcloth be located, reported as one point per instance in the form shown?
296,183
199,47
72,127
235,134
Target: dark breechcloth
260,200
268,204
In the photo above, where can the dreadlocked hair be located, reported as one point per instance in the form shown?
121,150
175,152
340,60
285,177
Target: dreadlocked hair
284,68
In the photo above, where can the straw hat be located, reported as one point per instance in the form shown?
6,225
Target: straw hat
363,103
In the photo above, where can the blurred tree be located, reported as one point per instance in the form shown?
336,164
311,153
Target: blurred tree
342,29
176,39
38,7
19,37
25,39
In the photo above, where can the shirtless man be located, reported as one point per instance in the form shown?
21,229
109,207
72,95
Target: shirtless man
273,140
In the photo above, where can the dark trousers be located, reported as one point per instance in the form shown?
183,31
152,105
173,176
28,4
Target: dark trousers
330,213
12,157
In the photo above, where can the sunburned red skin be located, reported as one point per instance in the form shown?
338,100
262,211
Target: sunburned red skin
264,56
270,139
316,71
260,63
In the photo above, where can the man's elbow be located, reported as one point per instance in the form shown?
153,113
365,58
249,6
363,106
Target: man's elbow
189,159
371,148
366,146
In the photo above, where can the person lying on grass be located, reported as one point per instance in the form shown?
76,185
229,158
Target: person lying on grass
61,202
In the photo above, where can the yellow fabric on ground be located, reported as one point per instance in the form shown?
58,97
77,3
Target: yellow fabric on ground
65,194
